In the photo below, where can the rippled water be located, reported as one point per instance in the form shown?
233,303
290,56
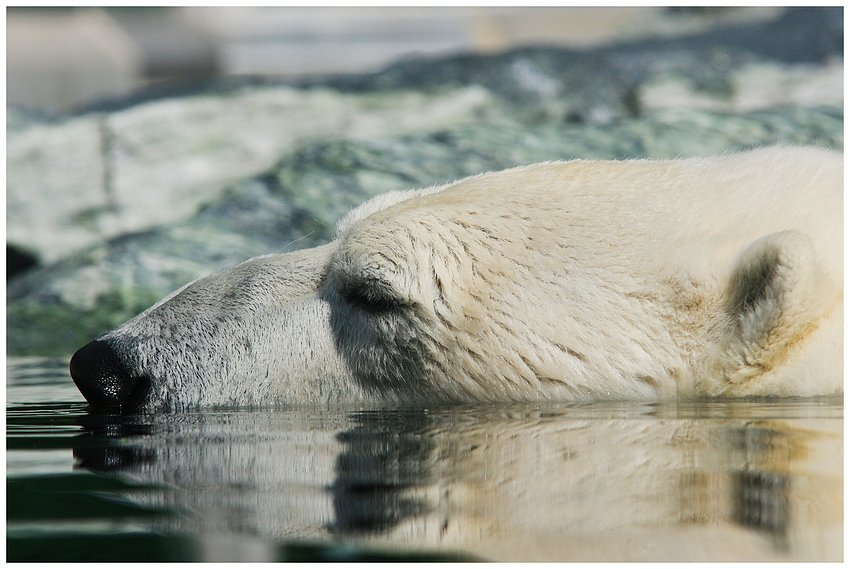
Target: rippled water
749,480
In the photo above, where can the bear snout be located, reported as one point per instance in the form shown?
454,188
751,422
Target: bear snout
102,378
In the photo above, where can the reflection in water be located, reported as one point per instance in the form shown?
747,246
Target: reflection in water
761,502
383,464
761,492
687,481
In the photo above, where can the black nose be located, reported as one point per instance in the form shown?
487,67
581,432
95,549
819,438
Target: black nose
101,377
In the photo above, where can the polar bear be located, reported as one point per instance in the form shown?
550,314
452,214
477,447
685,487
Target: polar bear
575,281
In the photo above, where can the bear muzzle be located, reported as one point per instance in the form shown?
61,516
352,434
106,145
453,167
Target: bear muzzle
104,380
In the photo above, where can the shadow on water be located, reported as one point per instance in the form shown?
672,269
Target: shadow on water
692,481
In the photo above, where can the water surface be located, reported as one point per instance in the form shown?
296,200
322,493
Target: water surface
744,480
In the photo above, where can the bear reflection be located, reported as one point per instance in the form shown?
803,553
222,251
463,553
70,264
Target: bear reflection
500,482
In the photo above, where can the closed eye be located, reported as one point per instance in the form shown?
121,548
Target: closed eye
369,296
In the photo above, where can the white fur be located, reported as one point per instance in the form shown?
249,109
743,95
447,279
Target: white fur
574,280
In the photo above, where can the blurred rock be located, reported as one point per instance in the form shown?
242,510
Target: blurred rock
128,204
77,181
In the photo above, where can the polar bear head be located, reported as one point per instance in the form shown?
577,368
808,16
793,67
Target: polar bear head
573,280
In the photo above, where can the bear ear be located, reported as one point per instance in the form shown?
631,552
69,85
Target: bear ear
773,299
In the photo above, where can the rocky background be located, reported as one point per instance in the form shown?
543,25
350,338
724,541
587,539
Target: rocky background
113,207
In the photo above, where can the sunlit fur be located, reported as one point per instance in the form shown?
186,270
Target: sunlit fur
572,280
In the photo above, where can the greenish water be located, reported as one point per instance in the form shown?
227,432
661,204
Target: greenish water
748,480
